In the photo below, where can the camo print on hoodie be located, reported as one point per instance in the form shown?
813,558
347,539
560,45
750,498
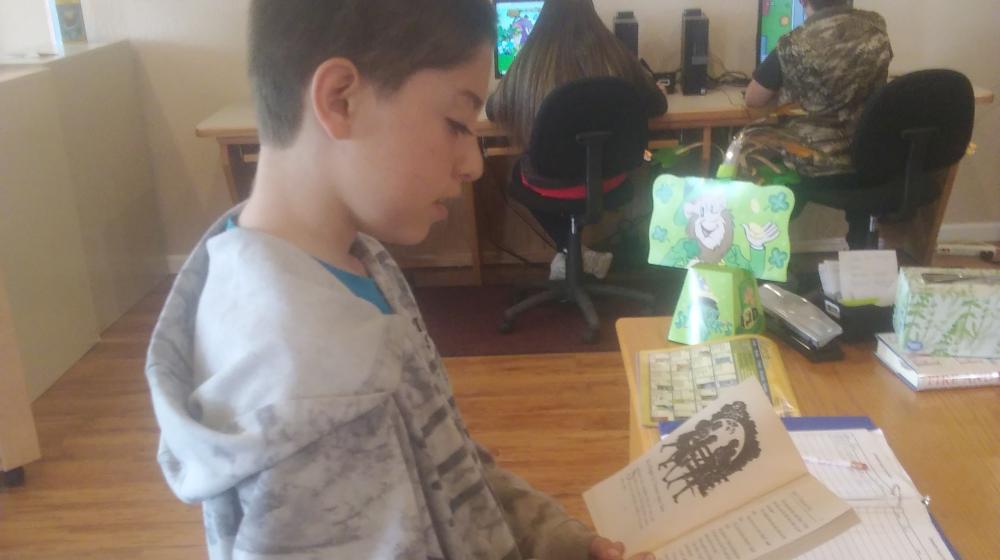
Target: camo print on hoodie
830,66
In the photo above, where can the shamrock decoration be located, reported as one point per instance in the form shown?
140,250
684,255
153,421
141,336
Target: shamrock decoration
778,258
778,202
659,234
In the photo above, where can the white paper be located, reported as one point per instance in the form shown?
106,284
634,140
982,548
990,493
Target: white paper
885,478
901,532
895,524
868,274
829,277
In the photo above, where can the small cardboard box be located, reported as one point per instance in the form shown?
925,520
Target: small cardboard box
716,302
860,323
949,312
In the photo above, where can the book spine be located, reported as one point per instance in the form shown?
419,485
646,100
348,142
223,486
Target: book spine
895,364
958,381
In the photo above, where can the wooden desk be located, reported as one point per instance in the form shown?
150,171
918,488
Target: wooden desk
948,441
456,243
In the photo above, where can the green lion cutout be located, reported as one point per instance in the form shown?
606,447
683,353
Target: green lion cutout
729,223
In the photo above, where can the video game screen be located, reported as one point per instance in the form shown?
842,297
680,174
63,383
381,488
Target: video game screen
777,17
515,20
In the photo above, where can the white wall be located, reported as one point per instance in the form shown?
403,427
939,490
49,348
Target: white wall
23,26
961,35
192,62
100,110
193,56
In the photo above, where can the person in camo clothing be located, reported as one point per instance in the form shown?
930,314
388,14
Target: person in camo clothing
829,66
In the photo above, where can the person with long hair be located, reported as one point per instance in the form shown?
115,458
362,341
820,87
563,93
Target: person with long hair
569,42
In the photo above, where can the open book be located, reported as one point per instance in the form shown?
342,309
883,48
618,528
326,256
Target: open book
729,483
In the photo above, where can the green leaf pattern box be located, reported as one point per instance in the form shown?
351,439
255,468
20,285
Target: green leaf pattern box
949,312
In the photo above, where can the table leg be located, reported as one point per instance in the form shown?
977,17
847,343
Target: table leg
706,150
472,232
925,226
227,169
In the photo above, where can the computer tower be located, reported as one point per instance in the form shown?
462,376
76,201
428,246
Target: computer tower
694,52
627,30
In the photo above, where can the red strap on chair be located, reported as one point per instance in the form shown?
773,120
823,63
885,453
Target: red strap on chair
575,192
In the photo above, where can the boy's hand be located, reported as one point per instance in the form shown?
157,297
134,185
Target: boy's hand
603,549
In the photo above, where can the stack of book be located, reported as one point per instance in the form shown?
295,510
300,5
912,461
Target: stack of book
923,372
946,328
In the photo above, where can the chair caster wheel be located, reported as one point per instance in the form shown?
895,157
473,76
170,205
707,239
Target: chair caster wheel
505,327
590,336
12,479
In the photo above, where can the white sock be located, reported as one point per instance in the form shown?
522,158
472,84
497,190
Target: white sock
557,269
596,263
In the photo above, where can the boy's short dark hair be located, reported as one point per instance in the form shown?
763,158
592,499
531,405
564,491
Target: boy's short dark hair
823,4
388,40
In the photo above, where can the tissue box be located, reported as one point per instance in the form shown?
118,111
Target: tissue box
949,312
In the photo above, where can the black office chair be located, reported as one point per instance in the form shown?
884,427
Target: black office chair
909,132
586,136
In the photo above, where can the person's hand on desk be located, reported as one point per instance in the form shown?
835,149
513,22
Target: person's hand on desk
603,549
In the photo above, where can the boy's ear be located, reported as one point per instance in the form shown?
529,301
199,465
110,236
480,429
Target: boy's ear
334,90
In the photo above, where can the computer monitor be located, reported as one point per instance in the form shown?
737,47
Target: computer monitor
515,20
775,18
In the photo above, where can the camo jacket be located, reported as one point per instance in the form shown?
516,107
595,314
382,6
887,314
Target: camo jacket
830,66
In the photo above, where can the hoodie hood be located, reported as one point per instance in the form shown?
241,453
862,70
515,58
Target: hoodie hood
237,396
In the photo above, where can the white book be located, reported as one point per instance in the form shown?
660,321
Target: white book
922,372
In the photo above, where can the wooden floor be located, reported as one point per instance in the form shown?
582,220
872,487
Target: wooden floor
560,421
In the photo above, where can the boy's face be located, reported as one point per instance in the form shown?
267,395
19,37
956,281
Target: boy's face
411,150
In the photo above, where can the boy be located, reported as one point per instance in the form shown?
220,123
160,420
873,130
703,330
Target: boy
830,66
299,397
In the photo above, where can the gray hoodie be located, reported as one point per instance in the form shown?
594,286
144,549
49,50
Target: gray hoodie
312,426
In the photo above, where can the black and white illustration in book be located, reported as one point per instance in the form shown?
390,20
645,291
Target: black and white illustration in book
711,451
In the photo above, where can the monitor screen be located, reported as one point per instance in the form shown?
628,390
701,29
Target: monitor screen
515,20
776,18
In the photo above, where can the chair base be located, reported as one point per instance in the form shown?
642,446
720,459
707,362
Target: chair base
581,296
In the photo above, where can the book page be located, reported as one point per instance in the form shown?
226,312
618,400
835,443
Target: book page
779,524
733,451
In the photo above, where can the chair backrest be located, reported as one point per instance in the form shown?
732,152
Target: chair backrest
586,106
937,103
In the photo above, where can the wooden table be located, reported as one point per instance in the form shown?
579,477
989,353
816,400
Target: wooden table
456,244
948,441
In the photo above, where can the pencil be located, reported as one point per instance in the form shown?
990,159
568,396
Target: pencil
856,465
